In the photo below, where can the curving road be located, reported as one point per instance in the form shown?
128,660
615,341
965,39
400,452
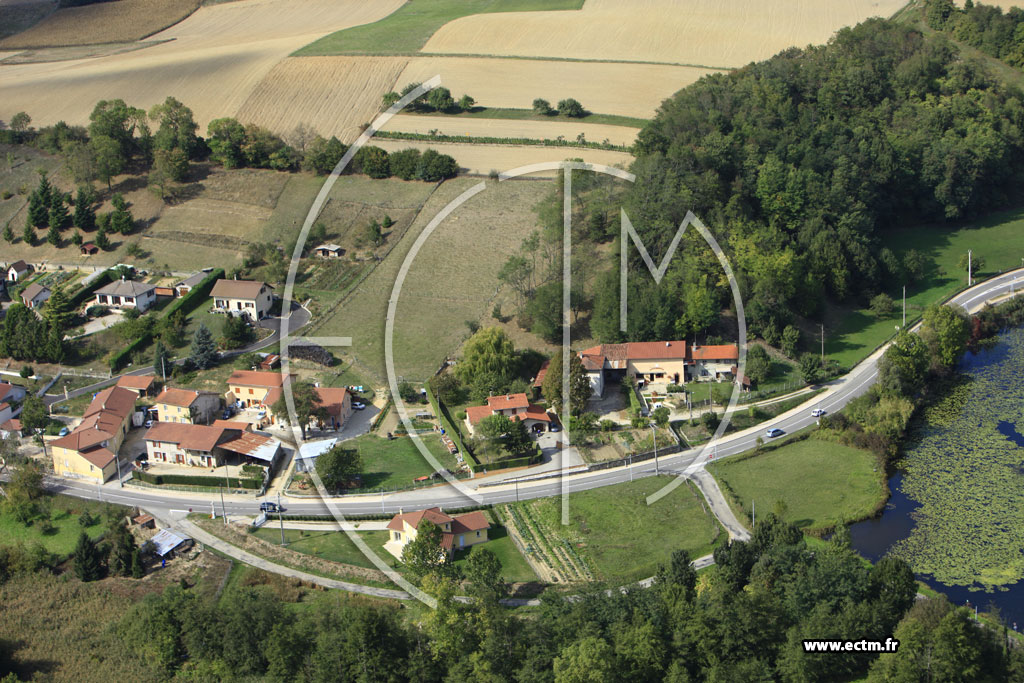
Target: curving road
838,393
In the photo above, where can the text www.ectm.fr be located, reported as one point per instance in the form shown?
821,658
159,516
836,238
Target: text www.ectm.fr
888,645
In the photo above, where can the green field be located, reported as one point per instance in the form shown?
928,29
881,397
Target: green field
529,115
329,544
821,483
622,537
853,335
514,567
409,28
64,515
394,464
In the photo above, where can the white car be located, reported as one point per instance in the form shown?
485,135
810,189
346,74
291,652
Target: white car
773,432
817,412
359,406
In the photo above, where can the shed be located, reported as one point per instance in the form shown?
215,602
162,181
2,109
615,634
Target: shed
88,249
166,542
329,251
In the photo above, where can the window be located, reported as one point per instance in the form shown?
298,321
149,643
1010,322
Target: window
478,534
250,391
398,536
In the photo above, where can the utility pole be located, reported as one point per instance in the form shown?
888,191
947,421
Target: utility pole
904,306
823,344
163,366
223,508
280,518
968,267
654,433
117,461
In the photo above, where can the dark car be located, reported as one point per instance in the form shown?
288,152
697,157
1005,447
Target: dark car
270,507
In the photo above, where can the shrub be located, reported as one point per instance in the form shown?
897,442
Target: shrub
373,161
542,107
571,107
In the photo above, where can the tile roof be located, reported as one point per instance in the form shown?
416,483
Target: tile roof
100,457
232,424
116,400
238,289
533,412
332,398
6,388
177,397
125,288
471,521
507,401
82,439
716,352
136,381
541,374
435,515
477,413
188,436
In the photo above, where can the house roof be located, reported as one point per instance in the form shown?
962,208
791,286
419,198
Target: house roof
143,382
193,280
32,291
592,362
328,247
177,397
476,413
100,457
533,412
18,266
12,425
435,515
541,374
253,445
232,424
116,400
332,398
89,246
238,289
6,388
716,352
507,401
166,540
188,436
471,521
617,355
257,378
82,439
126,288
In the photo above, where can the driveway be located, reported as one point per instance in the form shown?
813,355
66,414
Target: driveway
99,324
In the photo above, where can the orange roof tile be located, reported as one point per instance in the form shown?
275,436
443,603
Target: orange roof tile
507,401
143,382
716,352
188,436
477,413
177,397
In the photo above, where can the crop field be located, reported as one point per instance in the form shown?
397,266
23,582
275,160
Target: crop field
104,22
18,16
536,130
212,61
607,88
468,248
333,95
702,33
482,159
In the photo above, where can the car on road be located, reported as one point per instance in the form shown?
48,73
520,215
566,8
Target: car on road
358,406
773,432
270,507
817,412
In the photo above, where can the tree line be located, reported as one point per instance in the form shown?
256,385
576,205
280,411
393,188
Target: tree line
984,27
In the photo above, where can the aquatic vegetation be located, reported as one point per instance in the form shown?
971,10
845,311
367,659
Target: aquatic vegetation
968,476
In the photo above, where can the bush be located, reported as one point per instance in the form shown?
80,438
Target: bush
542,107
97,311
373,161
405,163
674,389
195,480
571,107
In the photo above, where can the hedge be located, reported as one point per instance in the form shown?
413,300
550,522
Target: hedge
195,480
89,290
446,421
521,461
120,358
196,295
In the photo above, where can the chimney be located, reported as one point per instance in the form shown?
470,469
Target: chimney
668,343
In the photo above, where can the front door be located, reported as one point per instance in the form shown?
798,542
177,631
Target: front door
462,540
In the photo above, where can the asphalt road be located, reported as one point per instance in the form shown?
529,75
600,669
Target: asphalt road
838,393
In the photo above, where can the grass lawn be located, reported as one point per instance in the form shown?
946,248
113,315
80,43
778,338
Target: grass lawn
626,539
394,464
821,483
331,545
514,567
852,335
529,115
410,27
65,513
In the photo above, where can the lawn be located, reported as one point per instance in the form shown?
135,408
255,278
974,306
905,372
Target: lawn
330,544
623,538
409,28
820,483
394,464
853,335
65,513
514,567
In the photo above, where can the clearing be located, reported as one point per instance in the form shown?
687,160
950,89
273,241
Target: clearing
820,483
657,30
613,534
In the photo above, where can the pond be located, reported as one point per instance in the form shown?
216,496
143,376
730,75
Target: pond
956,514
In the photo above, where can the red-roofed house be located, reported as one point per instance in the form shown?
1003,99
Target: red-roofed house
90,450
249,298
209,445
186,406
338,402
672,362
456,532
12,392
514,406
256,389
142,385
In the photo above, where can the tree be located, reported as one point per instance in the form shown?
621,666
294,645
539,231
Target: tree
109,161
904,365
38,210
307,406
405,163
372,161
434,166
160,359
225,137
570,107
203,354
512,433
321,156
483,570
542,107
423,554
373,233
790,341
122,557
121,219
20,122
389,99
53,236
660,416
8,233
488,353
28,235
237,333
881,305
446,388
34,413
88,563
579,385
544,309
26,483
101,239
177,128
945,330
758,364
810,368
85,214
466,103
587,660
440,99
913,265
58,312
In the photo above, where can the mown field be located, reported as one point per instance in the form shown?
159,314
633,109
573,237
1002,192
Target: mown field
104,22
820,483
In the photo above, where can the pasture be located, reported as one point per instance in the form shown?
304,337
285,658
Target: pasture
705,33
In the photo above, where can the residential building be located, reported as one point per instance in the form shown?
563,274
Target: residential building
12,392
35,295
127,294
186,285
249,298
186,406
6,411
338,403
12,426
670,362
538,381
514,406
90,451
329,251
210,445
457,533
255,388
17,270
143,385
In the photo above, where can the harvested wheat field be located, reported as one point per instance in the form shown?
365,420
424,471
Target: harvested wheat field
104,22
609,88
482,159
698,32
217,58
511,128
333,95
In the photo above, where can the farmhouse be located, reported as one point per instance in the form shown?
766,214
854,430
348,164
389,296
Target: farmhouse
671,362
329,251
90,451
209,445
35,295
514,406
127,294
12,426
17,270
249,298
255,388
456,532
143,385
186,406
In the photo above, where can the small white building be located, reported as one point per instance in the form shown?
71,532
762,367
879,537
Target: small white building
249,298
127,294
17,270
35,295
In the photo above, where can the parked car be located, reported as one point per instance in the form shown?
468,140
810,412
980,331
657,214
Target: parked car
554,428
270,507
226,415
773,432
817,412
147,424
359,406
64,431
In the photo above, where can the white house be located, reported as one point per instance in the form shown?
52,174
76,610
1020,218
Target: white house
249,298
127,294
35,295
17,270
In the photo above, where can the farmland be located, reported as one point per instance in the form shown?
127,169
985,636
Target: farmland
433,307
482,159
105,22
609,30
